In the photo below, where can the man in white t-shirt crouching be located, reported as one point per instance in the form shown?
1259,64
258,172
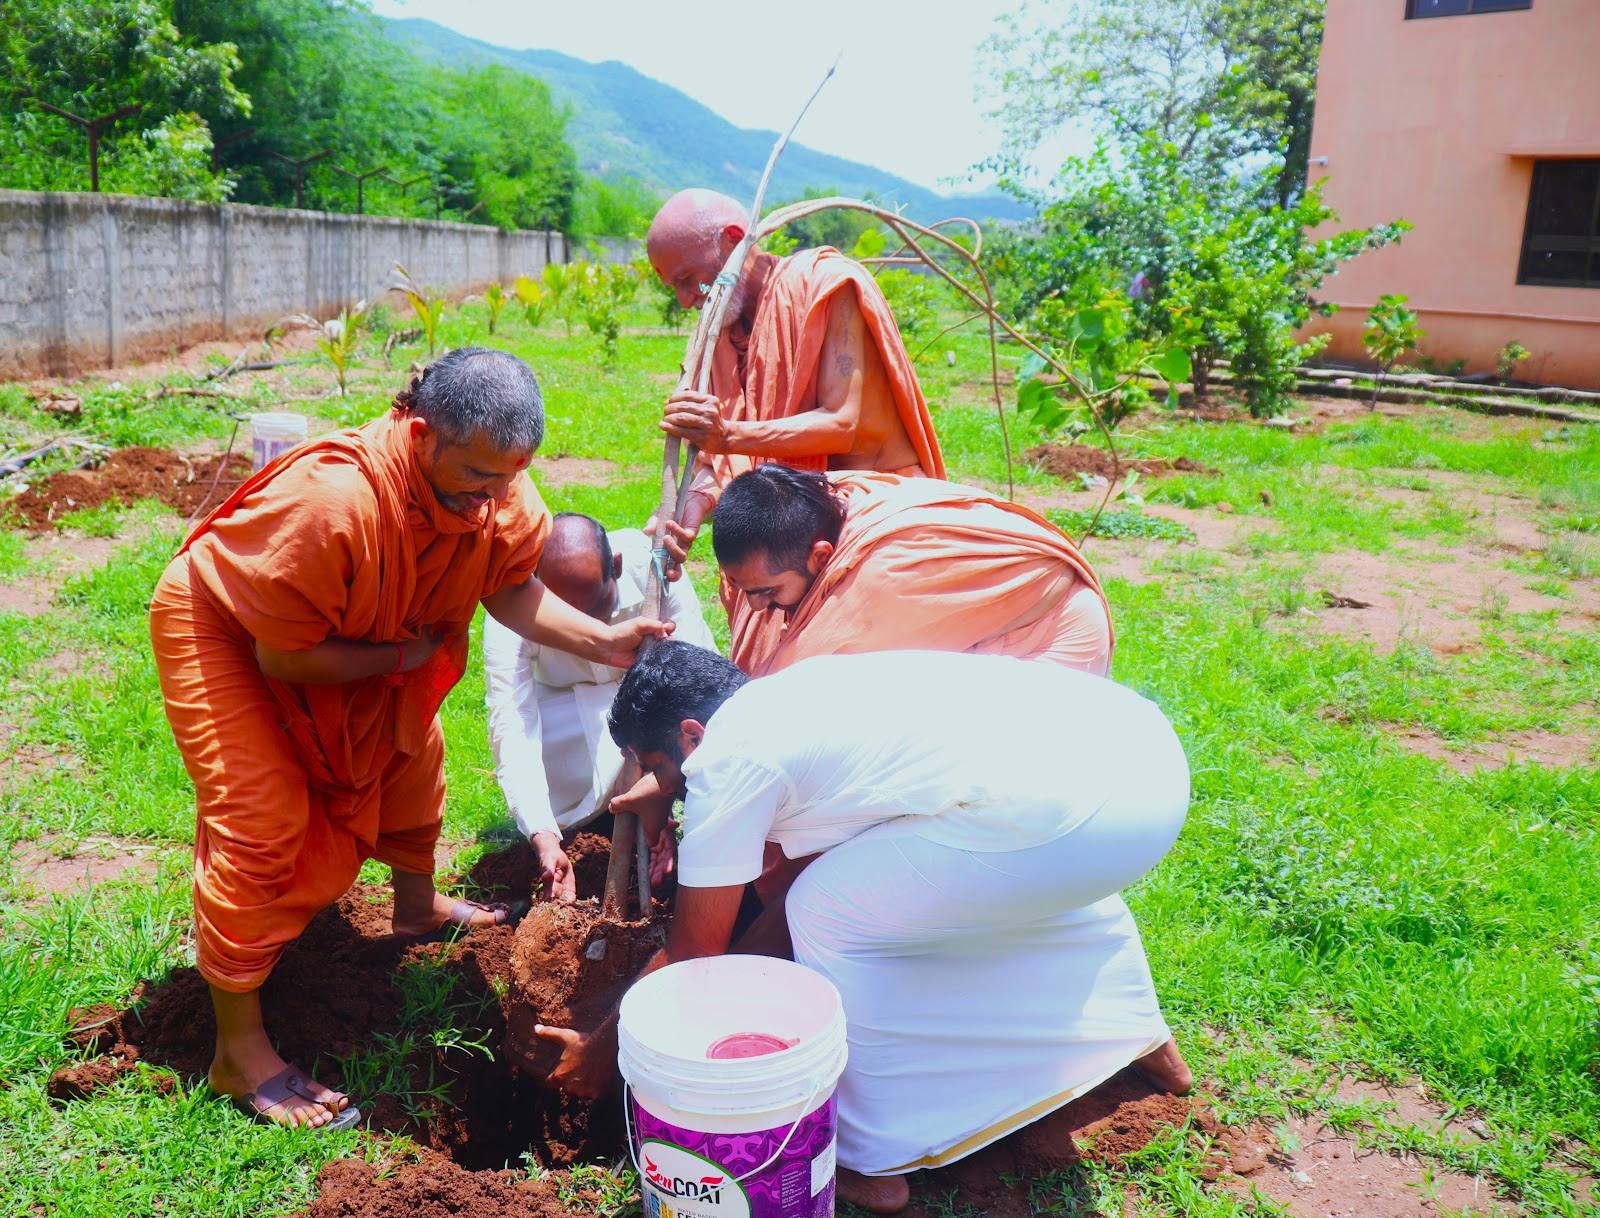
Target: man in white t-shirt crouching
553,757
973,819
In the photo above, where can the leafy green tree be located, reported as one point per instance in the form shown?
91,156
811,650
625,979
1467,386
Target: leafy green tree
506,141
171,159
320,75
838,228
91,57
1199,256
1217,79
615,206
247,82
1271,48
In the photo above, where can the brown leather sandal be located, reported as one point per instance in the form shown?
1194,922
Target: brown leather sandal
459,921
285,1085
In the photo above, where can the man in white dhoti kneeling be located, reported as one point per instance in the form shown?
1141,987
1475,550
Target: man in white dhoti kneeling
553,757
973,818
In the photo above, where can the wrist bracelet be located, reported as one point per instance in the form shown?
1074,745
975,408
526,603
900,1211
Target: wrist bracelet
395,676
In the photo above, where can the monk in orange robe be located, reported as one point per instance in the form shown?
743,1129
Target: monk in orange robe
854,562
810,369
305,636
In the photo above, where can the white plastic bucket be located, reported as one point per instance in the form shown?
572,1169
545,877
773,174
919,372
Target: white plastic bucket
271,434
732,1137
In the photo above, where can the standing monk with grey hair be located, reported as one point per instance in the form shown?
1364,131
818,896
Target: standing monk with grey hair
305,635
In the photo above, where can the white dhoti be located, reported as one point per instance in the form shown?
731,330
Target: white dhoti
984,989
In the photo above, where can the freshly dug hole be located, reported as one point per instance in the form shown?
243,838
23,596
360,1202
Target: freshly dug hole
339,992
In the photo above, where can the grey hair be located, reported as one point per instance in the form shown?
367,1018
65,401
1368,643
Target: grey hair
478,391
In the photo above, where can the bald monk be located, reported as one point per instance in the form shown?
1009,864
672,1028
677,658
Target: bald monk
305,636
810,370
556,764
855,562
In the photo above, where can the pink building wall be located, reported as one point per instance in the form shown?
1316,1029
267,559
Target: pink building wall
1439,121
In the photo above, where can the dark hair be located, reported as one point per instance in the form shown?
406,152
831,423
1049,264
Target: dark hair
669,683
477,391
602,540
776,511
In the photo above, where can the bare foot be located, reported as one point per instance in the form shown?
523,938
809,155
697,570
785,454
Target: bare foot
878,1194
236,1078
1166,1069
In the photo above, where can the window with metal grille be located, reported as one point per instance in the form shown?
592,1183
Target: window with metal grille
1561,247
1455,8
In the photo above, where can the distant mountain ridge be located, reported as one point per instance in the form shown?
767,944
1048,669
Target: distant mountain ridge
625,122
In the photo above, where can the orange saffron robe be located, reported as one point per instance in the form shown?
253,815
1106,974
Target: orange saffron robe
296,785
774,374
925,564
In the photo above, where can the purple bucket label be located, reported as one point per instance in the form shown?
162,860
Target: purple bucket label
687,1173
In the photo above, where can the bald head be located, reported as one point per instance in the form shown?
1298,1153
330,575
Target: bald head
690,240
578,565
696,217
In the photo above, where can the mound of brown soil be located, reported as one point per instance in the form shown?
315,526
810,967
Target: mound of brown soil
516,869
339,992
1114,1121
569,969
1069,460
127,475
431,1186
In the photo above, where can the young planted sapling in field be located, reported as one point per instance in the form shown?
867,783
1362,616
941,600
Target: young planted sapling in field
495,297
602,291
337,338
427,303
533,299
1390,332
1102,362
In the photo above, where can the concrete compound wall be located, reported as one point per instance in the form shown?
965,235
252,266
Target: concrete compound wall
95,280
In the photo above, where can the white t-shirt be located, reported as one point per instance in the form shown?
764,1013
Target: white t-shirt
983,753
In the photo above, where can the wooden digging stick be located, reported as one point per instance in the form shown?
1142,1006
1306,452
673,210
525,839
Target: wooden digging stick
625,831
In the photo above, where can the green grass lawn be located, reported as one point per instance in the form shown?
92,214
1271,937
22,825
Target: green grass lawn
1336,903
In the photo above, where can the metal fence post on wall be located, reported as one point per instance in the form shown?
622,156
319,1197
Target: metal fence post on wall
300,172
360,181
94,126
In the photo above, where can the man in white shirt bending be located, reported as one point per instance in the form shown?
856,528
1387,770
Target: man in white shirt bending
973,819
553,757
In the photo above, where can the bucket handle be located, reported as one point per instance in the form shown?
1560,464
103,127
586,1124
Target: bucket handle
627,1117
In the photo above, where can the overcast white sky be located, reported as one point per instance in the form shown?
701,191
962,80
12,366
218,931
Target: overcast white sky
903,98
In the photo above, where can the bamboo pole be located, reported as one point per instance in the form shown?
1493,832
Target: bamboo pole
627,838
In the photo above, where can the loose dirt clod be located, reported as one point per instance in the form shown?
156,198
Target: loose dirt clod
130,474
1069,460
569,969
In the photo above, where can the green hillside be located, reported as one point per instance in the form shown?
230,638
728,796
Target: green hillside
624,122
